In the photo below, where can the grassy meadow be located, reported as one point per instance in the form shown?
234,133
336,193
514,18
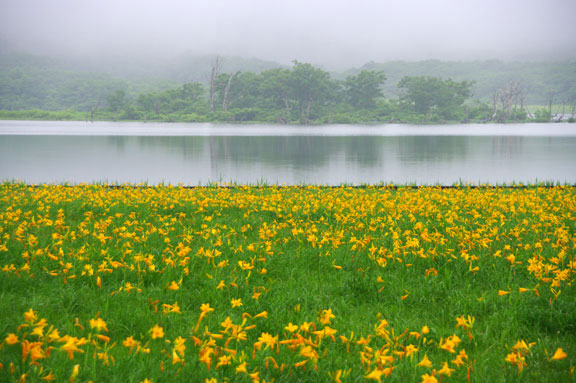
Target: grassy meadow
287,284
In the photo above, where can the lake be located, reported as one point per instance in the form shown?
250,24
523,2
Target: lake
197,154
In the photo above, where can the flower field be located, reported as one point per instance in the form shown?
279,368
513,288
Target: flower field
287,284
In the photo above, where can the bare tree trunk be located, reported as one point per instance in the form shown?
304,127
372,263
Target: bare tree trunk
226,91
94,109
495,97
515,107
213,76
523,96
287,108
550,102
508,97
308,111
561,117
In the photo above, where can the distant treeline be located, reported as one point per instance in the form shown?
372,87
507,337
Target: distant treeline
39,88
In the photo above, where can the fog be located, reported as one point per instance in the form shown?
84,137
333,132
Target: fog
334,34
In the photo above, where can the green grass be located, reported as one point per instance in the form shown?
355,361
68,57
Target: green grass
305,250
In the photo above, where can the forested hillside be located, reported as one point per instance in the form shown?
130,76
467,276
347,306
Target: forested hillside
36,82
210,88
540,80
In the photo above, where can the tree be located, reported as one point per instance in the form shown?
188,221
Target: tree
237,90
148,102
432,94
362,90
117,100
275,89
181,100
505,101
214,72
310,87
227,92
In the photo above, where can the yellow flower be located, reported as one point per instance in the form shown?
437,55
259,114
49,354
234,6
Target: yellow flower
376,374
503,292
425,362
157,332
429,379
267,339
129,342
446,370
447,345
520,345
241,368
53,336
34,349
236,302
205,308
103,338
98,324
559,354
337,376
173,286
466,323
179,345
263,314
167,308
517,359
71,345
326,316
458,361
75,372
11,339
411,349
309,352
49,377
291,327
30,316
223,361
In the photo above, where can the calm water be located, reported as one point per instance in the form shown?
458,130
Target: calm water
192,154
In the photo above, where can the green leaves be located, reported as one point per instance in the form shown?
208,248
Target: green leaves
363,89
434,95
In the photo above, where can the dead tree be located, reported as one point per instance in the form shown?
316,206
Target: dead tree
505,101
94,109
215,70
522,97
227,91
550,101
560,116
495,97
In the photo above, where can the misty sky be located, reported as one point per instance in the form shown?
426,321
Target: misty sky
327,32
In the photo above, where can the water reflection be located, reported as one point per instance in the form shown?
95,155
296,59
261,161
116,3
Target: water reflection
506,146
435,149
195,160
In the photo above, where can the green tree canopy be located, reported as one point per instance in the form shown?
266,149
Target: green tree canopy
310,87
362,90
433,94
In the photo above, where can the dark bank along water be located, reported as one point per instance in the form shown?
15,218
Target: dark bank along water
192,154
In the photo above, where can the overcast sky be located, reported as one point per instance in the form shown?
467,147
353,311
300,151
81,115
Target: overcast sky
327,32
